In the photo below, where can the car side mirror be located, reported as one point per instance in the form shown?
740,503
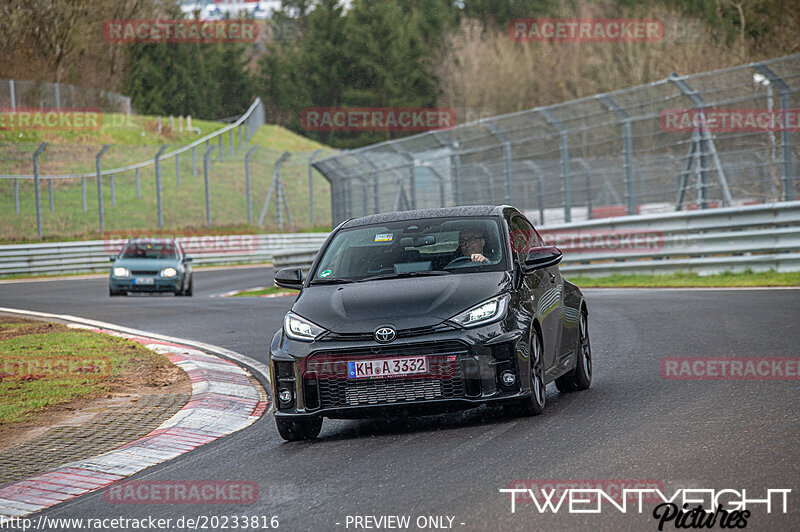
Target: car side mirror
289,278
187,259
112,258
542,257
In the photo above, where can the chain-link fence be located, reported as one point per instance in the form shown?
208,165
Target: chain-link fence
221,179
614,154
19,94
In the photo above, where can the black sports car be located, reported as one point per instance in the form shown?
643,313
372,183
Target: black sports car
426,311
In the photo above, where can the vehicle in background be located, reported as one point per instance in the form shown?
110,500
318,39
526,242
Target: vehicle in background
150,265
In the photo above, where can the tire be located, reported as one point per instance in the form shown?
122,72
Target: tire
113,293
579,378
299,428
186,291
534,404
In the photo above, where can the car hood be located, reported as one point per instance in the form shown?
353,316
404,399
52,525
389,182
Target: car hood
401,303
146,264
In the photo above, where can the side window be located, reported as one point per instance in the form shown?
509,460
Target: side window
523,237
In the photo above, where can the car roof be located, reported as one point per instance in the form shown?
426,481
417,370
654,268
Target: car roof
400,216
148,240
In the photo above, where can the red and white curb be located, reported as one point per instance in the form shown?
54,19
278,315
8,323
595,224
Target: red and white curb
223,401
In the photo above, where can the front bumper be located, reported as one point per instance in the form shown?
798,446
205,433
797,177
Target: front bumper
464,371
160,284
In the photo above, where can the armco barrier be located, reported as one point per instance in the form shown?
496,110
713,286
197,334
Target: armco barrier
93,256
756,237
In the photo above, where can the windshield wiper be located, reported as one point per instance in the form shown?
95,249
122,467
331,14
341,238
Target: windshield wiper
340,280
421,273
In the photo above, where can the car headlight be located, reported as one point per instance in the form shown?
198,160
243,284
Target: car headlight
169,272
298,328
486,312
121,272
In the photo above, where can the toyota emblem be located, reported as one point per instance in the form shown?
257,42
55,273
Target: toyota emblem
385,335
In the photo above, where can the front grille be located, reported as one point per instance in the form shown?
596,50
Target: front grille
144,272
325,377
401,333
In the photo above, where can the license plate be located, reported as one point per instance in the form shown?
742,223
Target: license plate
144,280
386,367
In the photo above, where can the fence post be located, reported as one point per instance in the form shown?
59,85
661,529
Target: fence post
627,151
280,191
230,142
138,185
158,185
177,170
58,96
506,156
219,140
42,146
13,96
311,186
113,192
275,177
16,196
455,163
564,133
50,194
100,186
239,129
247,182
206,156
786,134
194,162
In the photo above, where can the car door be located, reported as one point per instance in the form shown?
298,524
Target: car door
546,288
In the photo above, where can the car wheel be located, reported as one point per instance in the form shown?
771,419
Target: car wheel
534,404
299,428
579,378
188,291
113,293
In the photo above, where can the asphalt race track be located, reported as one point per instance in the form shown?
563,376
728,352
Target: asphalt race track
632,424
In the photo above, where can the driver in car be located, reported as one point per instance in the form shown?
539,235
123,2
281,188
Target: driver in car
471,242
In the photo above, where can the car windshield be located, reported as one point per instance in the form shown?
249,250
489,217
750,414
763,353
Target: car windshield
420,247
150,250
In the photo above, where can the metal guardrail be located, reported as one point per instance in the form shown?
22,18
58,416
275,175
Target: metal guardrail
758,237
93,256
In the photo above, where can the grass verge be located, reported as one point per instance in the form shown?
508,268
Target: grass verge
690,280
271,291
43,365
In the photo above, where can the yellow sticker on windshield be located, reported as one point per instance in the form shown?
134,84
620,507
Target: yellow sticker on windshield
383,237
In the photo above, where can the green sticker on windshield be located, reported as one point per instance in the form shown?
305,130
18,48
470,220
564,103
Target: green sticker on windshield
325,273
